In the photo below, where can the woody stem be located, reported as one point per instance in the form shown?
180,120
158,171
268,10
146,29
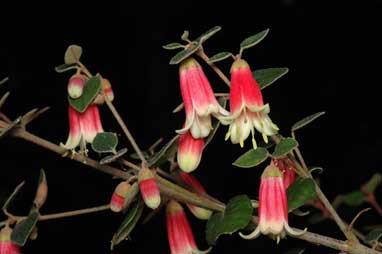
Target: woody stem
203,55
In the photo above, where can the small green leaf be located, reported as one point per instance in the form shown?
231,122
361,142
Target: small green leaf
236,216
219,57
295,251
105,142
373,183
306,121
24,227
180,56
173,45
252,158
166,152
113,157
284,147
12,196
4,80
72,54
266,77
65,67
374,236
253,40
299,192
128,223
92,88
4,98
205,36
354,198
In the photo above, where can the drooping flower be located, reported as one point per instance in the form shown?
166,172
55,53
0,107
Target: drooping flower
288,173
189,152
107,89
6,245
199,100
180,237
119,195
76,85
247,108
273,207
149,188
83,126
199,212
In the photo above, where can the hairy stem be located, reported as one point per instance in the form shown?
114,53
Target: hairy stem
74,213
203,55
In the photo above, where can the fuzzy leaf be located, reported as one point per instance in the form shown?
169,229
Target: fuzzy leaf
219,57
252,158
180,56
373,183
299,192
173,45
205,36
354,198
91,89
110,158
236,216
128,223
266,77
166,152
105,142
284,147
72,54
306,120
253,40
374,236
24,227
65,67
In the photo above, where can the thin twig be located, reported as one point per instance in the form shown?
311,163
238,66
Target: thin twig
74,213
203,55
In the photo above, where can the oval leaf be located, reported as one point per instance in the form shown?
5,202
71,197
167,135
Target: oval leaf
219,57
354,198
72,54
205,36
252,158
253,40
374,236
105,142
266,77
236,216
180,56
128,223
306,121
65,67
24,228
284,147
173,45
92,88
299,192
166,152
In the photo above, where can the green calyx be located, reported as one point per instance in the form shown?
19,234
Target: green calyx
188,63
239,63
271,171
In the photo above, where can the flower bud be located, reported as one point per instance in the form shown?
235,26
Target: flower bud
6,245
119,195
149,188
76,85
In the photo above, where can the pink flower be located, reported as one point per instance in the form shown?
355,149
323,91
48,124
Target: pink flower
199,212
6,245
273,207
288,173
119,195
83,126
247,107
179,232
199,100
149,188
189,152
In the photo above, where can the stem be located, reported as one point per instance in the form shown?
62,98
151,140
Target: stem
74,213
203,55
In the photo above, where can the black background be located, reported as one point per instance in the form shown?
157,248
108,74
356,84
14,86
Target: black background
333,52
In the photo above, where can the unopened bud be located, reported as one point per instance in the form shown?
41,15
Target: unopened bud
149,188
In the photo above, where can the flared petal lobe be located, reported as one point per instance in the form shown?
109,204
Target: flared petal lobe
149,188
189,152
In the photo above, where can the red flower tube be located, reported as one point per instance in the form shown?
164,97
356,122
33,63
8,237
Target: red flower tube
189,152
149,188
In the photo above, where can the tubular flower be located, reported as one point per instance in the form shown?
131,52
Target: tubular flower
179,232
288,173
199,212
118,197
149,188
189,152
199,100
76,85
6,245
83,126
247,107
273,207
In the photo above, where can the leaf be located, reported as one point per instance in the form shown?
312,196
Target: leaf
374,236
4,80
306,120
24,227
128,223
105,142
3,99
295,251
284,147
91,89
206,35
180,56
113,157
42,190
252,158
173,45
185,35
219,57
72,54
12,196
299,192
135,156
373,183
354,198
236,216
215,126
65,67
253,40
266,77
166,152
